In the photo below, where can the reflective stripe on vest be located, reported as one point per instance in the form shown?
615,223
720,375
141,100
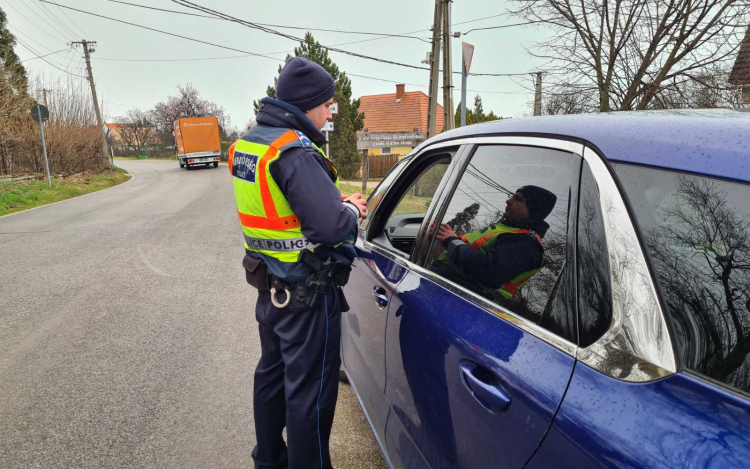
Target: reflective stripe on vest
482,241
268,223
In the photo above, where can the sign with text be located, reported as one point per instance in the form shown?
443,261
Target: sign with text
334,108
328,127
367,140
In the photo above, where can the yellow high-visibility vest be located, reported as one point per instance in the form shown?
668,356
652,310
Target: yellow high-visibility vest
482,241
268,222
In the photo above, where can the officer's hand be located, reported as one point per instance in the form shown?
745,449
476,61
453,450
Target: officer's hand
343,197
445,232
358,202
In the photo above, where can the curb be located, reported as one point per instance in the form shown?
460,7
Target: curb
132,178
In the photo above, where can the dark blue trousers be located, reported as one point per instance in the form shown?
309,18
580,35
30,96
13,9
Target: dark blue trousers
296,381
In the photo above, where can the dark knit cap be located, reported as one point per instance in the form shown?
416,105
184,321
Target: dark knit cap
304,84
540,202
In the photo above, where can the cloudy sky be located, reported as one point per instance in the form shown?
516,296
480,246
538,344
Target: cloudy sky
135,67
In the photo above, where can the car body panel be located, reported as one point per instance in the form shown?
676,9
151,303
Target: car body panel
679,421
431,332
364,329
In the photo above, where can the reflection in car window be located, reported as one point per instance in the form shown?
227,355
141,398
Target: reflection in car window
697,231
595,289
504,234
403,225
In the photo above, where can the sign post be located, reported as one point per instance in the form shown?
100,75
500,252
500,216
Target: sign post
40,114
327,128
468,55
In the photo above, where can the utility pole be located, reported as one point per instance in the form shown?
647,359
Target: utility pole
87,50
434,69
448,122
538,95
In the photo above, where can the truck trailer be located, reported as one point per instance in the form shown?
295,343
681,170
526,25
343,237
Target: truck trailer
198,141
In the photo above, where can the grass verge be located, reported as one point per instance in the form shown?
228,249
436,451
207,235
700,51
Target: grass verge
160,158
409,204
16,196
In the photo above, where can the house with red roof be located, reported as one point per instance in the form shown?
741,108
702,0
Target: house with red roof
740,76
395,122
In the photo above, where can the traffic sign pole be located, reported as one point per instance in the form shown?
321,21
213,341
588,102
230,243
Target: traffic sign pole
44,146
40,114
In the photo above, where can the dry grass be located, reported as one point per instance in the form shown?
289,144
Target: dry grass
71,133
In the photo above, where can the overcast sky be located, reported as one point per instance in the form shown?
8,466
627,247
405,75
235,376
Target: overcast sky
131,68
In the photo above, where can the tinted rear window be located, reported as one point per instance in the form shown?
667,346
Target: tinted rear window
697,231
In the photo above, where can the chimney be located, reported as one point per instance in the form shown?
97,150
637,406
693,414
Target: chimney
400,90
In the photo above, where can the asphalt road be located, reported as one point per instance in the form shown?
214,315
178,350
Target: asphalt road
127,333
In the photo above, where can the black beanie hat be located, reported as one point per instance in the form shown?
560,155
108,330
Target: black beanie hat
540,202
304,84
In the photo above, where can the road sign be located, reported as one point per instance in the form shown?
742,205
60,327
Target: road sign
368,140
39,112
328,127
468,55
334,108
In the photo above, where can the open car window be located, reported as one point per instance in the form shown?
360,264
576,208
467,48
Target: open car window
404,208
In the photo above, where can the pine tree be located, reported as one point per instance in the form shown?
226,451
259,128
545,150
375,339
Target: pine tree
14,79
476,115
343,141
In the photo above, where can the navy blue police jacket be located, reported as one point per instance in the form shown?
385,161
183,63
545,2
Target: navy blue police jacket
308,184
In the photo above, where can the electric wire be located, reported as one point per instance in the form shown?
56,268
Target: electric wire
367,33
45,60
45,55
256,26
58,38
58,21
45,20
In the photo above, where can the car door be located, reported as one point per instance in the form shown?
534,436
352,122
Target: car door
385,239
474,380
645,396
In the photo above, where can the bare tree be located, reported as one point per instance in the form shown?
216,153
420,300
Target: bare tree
136,131
187,103
567,100
628,51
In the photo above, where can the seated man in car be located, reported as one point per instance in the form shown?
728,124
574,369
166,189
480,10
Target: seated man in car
498,260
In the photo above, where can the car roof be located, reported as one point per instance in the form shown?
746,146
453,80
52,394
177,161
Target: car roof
711,142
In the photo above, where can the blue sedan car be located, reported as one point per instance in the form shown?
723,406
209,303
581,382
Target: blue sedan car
567,291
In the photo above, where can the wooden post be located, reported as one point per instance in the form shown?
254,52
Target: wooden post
365,171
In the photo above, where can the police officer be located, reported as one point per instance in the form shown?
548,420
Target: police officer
289,207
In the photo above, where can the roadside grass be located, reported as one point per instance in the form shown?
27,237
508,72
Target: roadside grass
409,204
16,196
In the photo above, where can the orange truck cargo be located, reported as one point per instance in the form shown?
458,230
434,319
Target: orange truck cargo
198,141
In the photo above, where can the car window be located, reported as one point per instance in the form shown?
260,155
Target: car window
409,206
595,289
380,190
504,234
697,232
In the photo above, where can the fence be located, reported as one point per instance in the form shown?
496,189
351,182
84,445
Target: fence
379,165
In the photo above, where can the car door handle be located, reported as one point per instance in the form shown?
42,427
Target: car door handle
380,297
485,387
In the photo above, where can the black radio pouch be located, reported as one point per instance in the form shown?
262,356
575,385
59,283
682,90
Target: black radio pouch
256,272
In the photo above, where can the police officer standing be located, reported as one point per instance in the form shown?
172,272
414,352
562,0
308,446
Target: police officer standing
294,220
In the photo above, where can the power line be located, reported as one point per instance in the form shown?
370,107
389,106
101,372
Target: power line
49,13
35,25
503,26
45,55
45,60
164,32
366,33
74,23
252,25
43,19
